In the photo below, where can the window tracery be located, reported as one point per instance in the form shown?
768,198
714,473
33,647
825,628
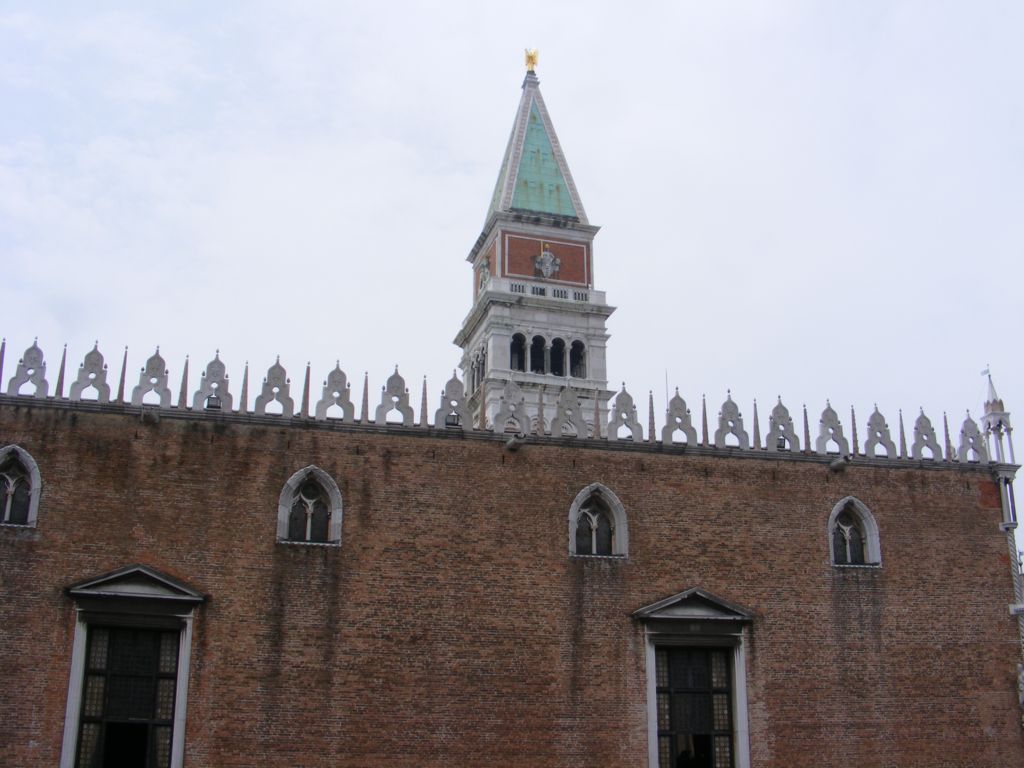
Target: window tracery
309,509
853,534
19,487
597,523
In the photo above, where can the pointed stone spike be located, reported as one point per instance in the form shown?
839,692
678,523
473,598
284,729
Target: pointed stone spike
540,412
757,429
903,438
124,370
423,406
807,432
59,395
364,417
244,398
945,429
853,418
704,420
183,392
650,416
305,394
597,414
3,351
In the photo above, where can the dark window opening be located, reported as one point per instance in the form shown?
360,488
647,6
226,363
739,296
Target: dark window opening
537,355
16,490
127,708
848,540
558,357
310,516
517,353
694,693
577,360
584,535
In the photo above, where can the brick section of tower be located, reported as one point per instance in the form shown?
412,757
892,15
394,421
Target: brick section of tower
451,628
574,257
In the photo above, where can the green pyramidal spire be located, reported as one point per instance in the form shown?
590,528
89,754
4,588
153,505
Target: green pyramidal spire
534,175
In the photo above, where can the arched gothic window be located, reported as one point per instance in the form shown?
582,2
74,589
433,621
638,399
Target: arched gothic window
597,523
853,534
309,509
537,355
517,353
19,487
558,357
578,360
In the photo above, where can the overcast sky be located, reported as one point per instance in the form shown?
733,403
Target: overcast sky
812,199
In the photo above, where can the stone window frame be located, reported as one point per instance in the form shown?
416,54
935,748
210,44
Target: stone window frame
620,538
133,596
287,499
698,619
869,529
35,480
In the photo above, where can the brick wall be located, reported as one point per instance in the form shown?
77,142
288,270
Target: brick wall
451,628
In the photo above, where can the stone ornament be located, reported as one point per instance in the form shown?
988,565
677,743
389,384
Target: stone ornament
677,417
624,414
971,441
924,437
730,422
213,383
91,373
568,421
511,410
337,392
780,427
453,403
394,396
831,429
878,435
276,386
153,378
31,370
547,263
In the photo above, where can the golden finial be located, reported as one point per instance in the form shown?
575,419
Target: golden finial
531,59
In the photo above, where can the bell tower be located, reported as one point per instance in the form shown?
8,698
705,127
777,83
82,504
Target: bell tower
536,320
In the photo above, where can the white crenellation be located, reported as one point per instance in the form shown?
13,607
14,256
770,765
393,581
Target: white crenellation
730,422
780,430
276,388
394,396
924,437
453,404
568,421
91,373
624,415
153,378
511,411
213,391
830,429
972,443
677,418
878,435
337,392
31,370
516,412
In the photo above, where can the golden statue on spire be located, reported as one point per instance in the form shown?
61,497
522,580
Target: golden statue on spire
531,59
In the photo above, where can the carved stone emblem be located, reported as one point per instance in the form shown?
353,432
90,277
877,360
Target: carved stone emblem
547,264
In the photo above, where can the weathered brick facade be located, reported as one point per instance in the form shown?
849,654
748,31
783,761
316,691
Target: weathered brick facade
452,628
